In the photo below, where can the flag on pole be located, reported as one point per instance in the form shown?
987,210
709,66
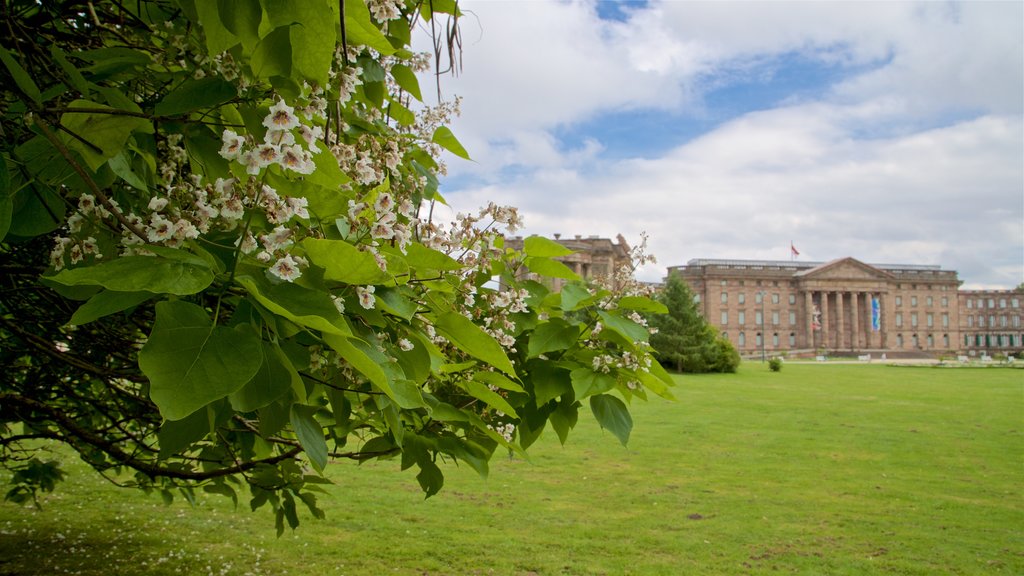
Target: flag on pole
793,252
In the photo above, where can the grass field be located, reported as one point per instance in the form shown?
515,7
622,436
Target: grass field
819,469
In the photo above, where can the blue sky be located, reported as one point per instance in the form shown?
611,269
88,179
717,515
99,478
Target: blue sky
890,132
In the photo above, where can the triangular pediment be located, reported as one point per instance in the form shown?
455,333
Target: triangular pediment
845,269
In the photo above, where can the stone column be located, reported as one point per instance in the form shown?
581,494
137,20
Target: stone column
855,320
840,322
808,337
825,342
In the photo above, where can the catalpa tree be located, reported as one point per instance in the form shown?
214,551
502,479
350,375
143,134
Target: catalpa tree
219,269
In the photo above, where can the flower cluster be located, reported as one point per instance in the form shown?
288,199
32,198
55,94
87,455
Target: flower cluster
279,146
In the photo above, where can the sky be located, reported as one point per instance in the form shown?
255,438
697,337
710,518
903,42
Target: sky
887,131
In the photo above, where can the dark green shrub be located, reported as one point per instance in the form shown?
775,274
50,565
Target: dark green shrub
775,364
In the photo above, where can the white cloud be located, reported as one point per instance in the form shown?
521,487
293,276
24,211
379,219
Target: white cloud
913,155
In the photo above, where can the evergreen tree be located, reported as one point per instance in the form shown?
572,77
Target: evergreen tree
684,339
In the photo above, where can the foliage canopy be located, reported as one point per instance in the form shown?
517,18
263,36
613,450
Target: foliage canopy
684,339
220,270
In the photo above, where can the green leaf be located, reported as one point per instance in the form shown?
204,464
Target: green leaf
655,384
177,435
273,55
74,77
218,37
343,262
310,434
273,380
549,381
6,199
310,308
625,327
154,274
499,381
242,18
555,334
406,80
490,397
444,137
313,36
190,362
21,78
430,477
586,382
120,166
105,303
195,95
612,415
423,258
361,31
642,304
544,247
574,296
392,301
107,133
362,362
472,340
550,268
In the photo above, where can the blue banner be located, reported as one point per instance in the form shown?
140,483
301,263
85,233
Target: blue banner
876,315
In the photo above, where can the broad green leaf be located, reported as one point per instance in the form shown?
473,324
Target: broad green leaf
444,411
549,381
587,382
273,55
472,340
627,328
393,301
555,334
343,262
550,268
21,78
176,435
406,80
498,380
195,95
642,304
310,308
242,18
329,176
6,200
612,415
564,418
430,477
154,274
74,77
120,166
400,113
423,258
444,137
575,295
361,31
107,132
33,208
362,362
310,434
190,362
655,384
273,380
218,37
544,247
105,303
312,31
491,398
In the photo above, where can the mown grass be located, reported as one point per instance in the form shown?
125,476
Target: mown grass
814,470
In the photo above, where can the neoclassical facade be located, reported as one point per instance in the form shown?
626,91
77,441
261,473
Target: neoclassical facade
847,306
593,257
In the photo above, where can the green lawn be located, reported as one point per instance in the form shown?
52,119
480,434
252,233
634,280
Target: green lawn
819,469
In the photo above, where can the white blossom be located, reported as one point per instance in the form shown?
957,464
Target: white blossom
281,117
286,268
366,298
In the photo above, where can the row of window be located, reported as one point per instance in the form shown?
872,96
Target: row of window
928,301
1004,321
915,341
929,319
741,318
741,339
993,340
741,298
980,302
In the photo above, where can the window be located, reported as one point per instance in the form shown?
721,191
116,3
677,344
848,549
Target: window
775,318
970,303
792,318
775,340
1002,302
757,318
741,340
991,321
913,319
775,298
1016,322
1014,302
981,321
1002,321
913,300
758,297
724,283
792,299
945,341
931,341
741,298
759,338
899,300
970,321
914,342
945,301
929,319
945,320
928,301
696,298
792,339
899,340
991,302
899,319
725,297
741,317
725,317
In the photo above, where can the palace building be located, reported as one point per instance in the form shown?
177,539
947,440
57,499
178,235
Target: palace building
846,306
